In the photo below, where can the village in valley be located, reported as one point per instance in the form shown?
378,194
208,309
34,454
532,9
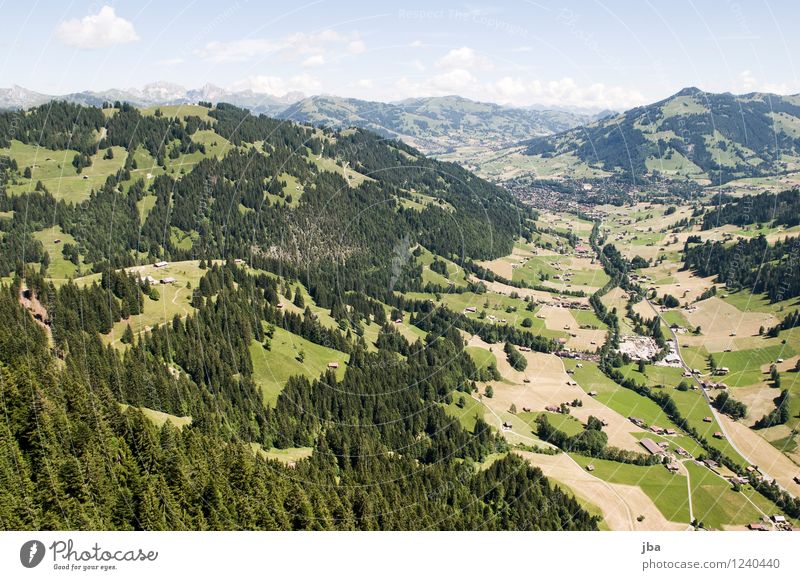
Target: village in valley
691,466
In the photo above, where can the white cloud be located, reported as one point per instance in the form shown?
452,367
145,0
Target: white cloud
356,47
748,83
454,81
779,88
238,50
170,62
564,92
464,58
290,48
365,83
747,80
447,83
510,88
417,44
515,91
99,30
277,86
314,61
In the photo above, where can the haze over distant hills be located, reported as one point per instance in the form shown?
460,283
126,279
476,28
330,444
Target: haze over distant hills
436,124
433,124
160,93
705,137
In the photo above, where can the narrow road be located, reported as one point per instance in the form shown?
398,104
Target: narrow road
689,490
706,396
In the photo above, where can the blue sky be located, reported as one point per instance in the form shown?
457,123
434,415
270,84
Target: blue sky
574,54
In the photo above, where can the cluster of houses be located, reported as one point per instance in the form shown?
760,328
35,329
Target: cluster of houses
707,385
522,262
661,448
583,250
654,428
672,358
637,421
562,408
776,522
639,278
566,302
567,353
165,280
653,447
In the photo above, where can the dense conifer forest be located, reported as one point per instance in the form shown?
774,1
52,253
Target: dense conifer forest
78,451
751,263
781,209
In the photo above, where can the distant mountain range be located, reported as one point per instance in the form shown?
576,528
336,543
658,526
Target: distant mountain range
434,125
706,137
161,93
692,134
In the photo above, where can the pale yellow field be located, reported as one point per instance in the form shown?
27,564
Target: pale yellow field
686,286
620,504
548,386
503,266
786,366
643,309
760,452
781,432
758,398
718,320
538,295
557,318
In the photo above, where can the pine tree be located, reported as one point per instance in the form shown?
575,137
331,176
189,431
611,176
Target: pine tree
127,335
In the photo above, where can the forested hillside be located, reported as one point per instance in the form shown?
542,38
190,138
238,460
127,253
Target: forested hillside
754,264
781,209
238,202
119,419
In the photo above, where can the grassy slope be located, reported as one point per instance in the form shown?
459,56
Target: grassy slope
54,169
468,414
60,268
668,491
271,369
174,298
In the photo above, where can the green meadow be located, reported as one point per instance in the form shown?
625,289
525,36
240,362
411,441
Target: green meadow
272,368
667,490
468,414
